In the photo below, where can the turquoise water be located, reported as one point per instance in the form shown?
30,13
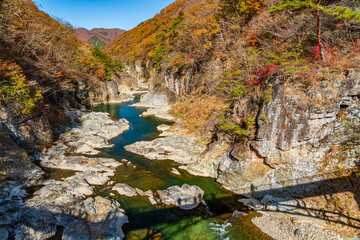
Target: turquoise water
213,221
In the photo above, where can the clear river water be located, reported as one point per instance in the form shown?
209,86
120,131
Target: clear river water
215,220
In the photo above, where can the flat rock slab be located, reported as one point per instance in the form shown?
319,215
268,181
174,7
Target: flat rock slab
162,113
186,197
93,132
180,149
163,127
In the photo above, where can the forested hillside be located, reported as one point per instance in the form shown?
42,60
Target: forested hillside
42,65
232,48
46,52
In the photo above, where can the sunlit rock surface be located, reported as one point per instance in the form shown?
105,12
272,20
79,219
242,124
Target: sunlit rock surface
177,148
185,197
65,202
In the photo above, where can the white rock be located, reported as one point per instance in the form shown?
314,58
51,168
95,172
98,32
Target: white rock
111,183
185,197
125,189
140,192
177,148
152,200
163,127
105,218
175,171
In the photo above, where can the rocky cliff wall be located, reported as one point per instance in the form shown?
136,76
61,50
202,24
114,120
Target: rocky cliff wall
93,91
179,81
306,147
299,134
308,128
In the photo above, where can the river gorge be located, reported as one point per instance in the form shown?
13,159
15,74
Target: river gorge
216,218
214,119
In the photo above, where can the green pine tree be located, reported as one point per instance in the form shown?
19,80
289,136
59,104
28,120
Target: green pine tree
317,7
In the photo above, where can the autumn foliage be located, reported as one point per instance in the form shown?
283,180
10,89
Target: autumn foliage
15,88
36,48
247,42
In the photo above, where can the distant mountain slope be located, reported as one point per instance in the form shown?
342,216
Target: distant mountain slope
98,37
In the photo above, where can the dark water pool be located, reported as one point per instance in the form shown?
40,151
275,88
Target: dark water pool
214,221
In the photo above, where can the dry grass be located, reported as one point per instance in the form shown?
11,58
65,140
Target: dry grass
196,110
350,61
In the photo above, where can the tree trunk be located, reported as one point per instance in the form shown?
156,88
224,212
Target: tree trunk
321,46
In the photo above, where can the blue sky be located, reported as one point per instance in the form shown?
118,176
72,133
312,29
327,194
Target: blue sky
124,14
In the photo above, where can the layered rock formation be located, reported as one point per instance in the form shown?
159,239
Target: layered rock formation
120,89
299,134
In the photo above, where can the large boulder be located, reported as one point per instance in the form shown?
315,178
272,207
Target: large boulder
185,197
105,218
125,189
36,224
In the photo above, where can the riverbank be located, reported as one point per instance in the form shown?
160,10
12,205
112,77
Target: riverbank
68,206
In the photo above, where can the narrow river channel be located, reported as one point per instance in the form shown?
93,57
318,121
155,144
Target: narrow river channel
215,220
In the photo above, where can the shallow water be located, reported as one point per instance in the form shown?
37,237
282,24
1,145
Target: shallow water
150,222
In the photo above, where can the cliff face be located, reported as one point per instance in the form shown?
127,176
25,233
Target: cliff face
291,121
299,134
118,89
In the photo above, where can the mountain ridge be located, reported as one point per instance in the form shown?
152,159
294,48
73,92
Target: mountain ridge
98,37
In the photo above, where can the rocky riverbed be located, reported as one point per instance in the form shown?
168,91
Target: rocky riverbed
65,203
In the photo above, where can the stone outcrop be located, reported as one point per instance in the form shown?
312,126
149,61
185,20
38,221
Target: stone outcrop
120,89
296,132
93,132
29,131
303,137
15,163
159,102
302,133
65,204
177,82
